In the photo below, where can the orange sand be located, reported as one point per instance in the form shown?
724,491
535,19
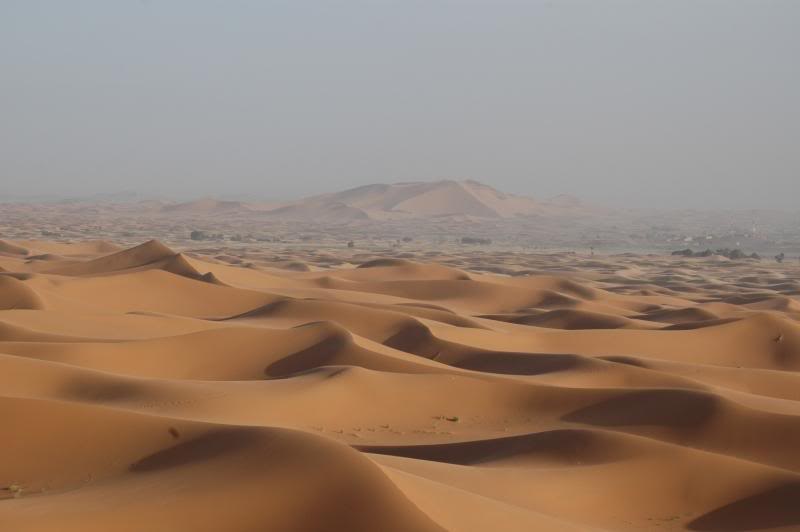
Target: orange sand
144,390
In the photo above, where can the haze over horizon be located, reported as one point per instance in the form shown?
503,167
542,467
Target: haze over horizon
669,104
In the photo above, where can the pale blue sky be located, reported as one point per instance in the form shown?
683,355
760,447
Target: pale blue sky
661,103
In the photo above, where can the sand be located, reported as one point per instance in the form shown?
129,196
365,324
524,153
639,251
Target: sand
144,389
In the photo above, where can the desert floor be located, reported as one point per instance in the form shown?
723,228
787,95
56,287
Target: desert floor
147,390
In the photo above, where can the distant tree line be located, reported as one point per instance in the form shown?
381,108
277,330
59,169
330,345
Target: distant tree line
476,240
202,235
723,252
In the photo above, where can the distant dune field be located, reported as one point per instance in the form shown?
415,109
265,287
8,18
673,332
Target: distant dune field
147,390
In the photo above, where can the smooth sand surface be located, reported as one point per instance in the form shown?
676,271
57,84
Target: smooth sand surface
145,390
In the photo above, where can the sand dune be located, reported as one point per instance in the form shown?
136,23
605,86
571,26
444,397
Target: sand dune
404,201
146,389
12,249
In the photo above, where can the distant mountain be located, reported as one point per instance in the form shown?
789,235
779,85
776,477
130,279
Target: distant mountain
418,200
398,201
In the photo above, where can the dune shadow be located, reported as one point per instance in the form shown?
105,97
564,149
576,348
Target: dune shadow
260,311
414,338
200,449
671,408
565,446
385,262
621,359
511,363
319,354
100,389
572,319
777,507
692,325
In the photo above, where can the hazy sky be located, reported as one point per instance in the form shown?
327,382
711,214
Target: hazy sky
662,103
